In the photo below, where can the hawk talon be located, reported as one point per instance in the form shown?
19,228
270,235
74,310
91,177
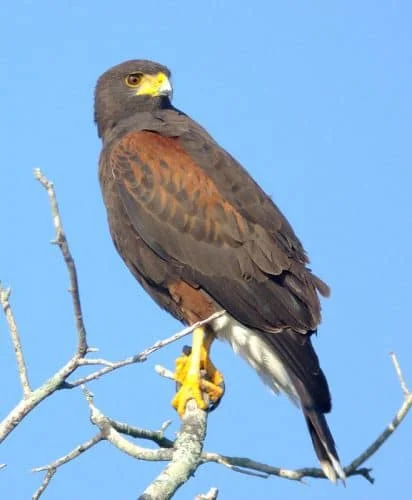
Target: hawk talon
206,394
197,378
213,392
190,389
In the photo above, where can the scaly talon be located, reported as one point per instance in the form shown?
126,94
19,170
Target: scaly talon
190,389
196,376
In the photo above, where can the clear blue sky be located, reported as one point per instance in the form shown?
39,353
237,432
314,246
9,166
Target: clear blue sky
314,98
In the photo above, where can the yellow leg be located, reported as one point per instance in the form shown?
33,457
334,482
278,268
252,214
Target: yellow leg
212,374
196,375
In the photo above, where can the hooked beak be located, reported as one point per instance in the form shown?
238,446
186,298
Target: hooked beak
155,85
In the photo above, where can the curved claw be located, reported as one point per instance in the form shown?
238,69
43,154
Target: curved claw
190,389
196,376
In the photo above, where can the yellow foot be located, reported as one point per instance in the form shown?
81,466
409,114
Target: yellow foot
205,384
190,389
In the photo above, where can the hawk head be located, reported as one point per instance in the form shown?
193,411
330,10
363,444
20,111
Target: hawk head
128,88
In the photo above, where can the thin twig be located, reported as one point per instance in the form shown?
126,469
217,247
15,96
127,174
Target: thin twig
212,494
51,468
15,338
42,488
96,361
110,366
157,437
390,429
164,372
182,333
251,467
61,241
399,373
109,432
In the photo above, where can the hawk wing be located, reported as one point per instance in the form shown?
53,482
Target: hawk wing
217,227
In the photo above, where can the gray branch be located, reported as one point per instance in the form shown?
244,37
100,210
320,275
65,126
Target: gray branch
157,437
61,241
186,455
109,432
51,469
110,366
353,467
248,466
15,339
183,454
31,398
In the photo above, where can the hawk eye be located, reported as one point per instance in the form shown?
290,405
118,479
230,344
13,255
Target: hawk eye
133,79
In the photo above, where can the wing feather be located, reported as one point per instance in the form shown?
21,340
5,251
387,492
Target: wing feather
187,217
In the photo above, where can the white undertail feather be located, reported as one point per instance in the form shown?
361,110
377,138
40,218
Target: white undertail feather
253,348
328,470
333,467
337,466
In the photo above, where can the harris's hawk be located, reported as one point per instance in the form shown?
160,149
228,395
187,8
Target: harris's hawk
200,236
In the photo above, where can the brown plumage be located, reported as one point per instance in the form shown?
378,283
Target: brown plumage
200,235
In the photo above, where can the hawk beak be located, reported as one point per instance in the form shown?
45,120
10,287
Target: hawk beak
155,85
166,88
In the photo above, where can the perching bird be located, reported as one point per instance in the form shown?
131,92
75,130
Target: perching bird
200,236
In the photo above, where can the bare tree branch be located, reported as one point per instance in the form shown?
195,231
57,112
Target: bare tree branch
245,465
251,467
186,455
61,241
15,338
157,437
52,467
166,373
390,429
27,404
110,366
33,397
188,444
399,373
109,432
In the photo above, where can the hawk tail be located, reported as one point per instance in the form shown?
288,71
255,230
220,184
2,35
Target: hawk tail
324,444
302,364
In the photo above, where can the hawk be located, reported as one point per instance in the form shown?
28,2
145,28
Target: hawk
200,236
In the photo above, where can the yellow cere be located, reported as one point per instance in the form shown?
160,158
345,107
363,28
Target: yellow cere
153,85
